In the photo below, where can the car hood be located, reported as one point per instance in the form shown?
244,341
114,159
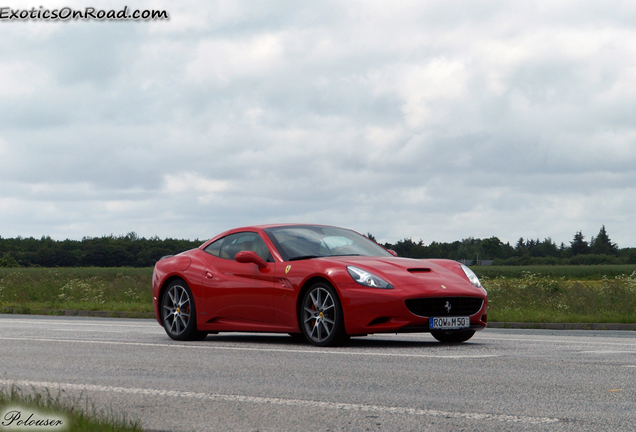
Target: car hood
408,271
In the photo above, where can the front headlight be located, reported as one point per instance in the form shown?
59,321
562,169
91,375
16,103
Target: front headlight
472,277
367,279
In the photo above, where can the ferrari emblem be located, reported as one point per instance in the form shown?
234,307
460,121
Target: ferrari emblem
443,286
287,269
447,306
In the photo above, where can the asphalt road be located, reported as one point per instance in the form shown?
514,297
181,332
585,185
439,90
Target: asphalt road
501,380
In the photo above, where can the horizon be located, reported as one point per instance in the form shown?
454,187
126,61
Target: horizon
586,238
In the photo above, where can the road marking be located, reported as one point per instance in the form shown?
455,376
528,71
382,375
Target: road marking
289,402
583,340
199,345
135,323
89,330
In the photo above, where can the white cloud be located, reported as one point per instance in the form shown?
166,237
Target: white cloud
427,92
14,84
224,61
206,190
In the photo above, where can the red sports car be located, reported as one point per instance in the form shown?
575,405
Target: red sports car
324,282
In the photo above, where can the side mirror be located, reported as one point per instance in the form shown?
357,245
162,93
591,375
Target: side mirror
250,257
392,252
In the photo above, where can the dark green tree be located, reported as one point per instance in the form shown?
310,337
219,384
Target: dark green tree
520,247
578,246
548,248
8,261
492,248
410,249
602,245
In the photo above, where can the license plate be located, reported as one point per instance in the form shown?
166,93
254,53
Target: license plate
449,323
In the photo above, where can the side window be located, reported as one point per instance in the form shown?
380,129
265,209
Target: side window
214,248
229,246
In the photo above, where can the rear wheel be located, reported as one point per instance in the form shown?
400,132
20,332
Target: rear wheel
453,336
321,316
179,313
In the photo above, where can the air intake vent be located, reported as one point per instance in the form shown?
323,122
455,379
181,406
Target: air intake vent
437,306
420,270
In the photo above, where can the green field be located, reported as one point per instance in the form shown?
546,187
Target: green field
32,290
535,294
537,299
569,272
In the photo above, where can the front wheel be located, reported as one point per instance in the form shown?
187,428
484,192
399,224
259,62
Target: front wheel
321,316
453,336
179,313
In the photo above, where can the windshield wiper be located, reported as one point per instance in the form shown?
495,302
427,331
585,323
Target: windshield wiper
302,257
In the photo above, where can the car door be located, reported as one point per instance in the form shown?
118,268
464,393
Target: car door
234,291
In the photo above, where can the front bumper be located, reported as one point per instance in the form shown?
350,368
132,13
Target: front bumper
369,311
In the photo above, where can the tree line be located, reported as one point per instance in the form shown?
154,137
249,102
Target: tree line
599,250
131,250
108,251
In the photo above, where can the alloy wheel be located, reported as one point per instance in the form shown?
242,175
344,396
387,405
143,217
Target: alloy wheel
176,310
319,315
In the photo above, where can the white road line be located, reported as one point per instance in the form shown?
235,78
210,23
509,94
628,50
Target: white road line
134,324
89,330
289,402
557,339
325,351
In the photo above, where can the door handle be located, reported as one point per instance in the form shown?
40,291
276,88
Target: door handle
208,275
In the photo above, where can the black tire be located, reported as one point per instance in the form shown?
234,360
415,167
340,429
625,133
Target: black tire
178,312
321,317
452,336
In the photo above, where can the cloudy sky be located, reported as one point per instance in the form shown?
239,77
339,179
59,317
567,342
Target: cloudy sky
435,120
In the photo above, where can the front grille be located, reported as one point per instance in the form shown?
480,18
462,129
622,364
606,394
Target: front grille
438,306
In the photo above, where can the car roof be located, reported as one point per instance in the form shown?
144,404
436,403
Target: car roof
266,226
262,227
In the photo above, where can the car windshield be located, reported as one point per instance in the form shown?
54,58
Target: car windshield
310,241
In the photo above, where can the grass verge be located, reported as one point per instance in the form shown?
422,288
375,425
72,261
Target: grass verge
52,291
543,299
567,272
61,412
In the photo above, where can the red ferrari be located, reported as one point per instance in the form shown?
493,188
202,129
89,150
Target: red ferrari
323,282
